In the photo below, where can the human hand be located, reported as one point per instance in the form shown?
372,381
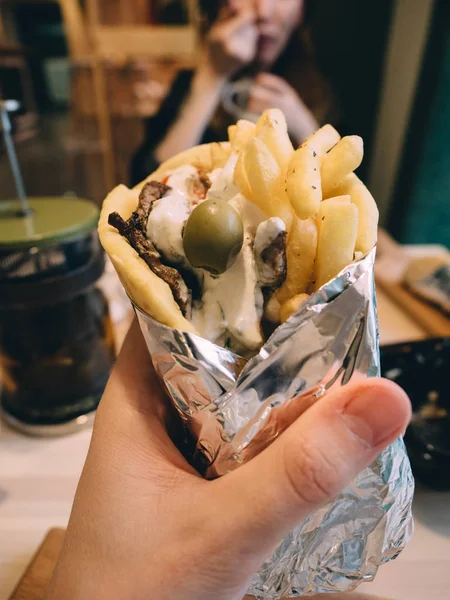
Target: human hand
232,41
148,96
271,91
145,525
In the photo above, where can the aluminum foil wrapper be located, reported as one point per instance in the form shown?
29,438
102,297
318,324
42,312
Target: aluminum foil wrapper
234,407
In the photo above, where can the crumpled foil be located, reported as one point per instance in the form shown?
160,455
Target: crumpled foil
234,407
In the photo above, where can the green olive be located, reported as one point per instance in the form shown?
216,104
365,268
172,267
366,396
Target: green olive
213,236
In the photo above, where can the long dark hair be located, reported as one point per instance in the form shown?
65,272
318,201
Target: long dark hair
298,63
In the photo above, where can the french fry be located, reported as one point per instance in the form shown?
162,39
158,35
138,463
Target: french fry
266,117
340,161
367,212
343,199
240,177
301,251
231,133
266,182
303,182
271,128
323,139
272,310
338,228
291,306
245,130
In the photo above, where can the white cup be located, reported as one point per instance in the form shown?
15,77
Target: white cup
235,99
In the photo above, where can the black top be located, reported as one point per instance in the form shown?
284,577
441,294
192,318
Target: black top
144,162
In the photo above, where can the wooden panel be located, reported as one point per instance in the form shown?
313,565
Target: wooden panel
33,584
126,41
427,317
395,325
75,28
392,260
194,13
37,576
121,83
121,12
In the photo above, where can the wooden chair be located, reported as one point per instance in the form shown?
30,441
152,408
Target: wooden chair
96,47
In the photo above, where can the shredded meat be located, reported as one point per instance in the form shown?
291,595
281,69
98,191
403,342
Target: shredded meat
152,257
202,185
152,191
273,258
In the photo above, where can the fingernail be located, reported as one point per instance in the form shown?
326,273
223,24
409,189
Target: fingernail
377,413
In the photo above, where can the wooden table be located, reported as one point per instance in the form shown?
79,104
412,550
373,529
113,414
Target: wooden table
38,478
33,584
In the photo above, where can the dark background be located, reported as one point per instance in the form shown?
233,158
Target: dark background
350,39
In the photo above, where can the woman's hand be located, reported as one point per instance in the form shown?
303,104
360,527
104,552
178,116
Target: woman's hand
271,91
145,525
232,41
231,44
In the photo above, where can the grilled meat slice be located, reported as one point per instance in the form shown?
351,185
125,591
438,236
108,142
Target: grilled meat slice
152,257
152,191
270,252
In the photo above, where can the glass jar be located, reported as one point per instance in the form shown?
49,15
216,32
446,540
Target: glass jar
56,336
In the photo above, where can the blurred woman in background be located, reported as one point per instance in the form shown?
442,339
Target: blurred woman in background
265,40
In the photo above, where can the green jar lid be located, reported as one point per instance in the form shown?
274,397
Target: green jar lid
52,220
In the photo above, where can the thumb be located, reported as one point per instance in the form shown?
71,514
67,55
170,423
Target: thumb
311,462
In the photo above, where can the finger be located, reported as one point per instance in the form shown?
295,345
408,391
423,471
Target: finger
134,365
134,412
153,90
311,462
141,91
256,107
258,92
133,385
260,99
133,392
238,22
271,82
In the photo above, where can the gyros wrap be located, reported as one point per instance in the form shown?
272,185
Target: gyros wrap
228,240
146,289
250,265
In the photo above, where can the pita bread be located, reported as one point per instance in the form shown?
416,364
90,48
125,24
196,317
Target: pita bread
147,290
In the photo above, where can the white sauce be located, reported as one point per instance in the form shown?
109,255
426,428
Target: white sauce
165,225
232,304
214,175
169,215
224,312
266,233
222,182
181,179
